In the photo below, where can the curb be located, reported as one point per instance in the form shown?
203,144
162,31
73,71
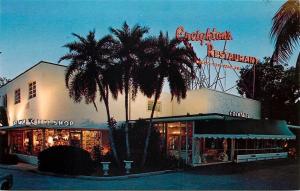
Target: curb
93,177
13,167
125,176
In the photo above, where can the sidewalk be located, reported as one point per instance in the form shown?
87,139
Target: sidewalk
34,169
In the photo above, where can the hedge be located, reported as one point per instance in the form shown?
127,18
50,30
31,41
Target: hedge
66,160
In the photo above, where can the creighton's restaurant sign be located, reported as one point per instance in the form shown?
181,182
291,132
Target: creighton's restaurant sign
208,37
36,122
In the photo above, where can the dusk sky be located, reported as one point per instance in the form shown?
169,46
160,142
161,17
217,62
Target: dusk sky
37,29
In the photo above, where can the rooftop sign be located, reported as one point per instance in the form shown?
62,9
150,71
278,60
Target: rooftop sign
209,35
207,38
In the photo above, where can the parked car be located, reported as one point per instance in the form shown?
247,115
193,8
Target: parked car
6,182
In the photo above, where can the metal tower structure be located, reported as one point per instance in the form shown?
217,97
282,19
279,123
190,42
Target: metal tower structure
211,73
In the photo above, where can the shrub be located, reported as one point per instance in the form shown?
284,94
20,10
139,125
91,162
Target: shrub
9,159
97,154
66,160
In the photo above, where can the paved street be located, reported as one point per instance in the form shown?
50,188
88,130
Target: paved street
257,175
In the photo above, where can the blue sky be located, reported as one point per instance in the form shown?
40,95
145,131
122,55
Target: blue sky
34,30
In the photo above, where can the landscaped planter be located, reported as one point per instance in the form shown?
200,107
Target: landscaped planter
105,167
127,166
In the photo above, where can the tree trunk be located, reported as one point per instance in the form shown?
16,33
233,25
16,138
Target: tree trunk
298,70
127,123
149,130
110,128
110,132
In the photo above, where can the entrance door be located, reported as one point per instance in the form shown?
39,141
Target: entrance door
174,146
179,140
75,139
28,141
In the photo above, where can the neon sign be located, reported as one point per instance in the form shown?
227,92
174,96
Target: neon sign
208,37
229,56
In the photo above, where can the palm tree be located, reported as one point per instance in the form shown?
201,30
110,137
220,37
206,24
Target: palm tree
286,30
91,69
173,64
130,46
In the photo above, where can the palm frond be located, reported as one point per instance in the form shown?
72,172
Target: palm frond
286,30
82,39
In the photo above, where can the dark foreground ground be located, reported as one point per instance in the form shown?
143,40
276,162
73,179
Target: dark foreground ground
277,174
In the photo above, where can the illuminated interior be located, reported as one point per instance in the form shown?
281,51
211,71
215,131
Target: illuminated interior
33,141
177,139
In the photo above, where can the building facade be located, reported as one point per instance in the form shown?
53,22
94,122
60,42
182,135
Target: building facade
41,114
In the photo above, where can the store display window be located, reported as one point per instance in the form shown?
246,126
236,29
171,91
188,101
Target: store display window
33,141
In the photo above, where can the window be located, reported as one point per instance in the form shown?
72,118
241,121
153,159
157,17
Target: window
17,96
5,100
32,90
150,106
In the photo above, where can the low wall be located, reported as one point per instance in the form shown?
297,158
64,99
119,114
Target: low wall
264,156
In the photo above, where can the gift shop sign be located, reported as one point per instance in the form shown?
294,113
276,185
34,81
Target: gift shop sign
36,122
208,37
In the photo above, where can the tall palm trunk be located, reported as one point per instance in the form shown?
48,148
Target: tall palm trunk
127,122
110,127
110,132
298,70
149,129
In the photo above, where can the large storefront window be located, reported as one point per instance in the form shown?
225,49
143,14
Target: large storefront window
55,137
216,150
31,142
38,141
212,150
258,146
92,141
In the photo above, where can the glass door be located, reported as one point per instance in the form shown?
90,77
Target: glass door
179,140
75,139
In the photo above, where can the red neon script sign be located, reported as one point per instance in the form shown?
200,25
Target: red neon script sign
208,37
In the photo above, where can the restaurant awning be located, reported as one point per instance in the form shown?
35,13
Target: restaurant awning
243,129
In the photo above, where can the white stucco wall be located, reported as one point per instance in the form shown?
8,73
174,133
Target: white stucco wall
211,101
53,102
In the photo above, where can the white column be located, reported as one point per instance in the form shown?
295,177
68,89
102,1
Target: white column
232,149
186,143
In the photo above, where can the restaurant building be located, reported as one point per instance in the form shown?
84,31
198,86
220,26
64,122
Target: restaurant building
205,128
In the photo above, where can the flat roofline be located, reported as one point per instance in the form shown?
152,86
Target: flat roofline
191,117
24,127
225,93
294,126
40,62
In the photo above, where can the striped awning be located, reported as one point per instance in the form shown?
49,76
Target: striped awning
243,129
